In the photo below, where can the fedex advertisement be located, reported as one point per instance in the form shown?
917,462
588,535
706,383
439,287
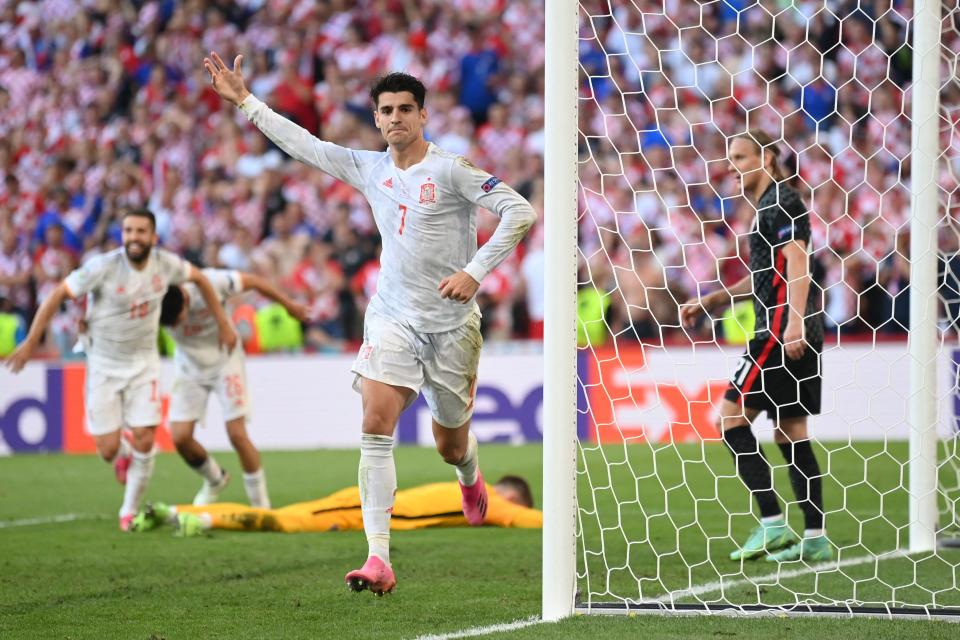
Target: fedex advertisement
632,395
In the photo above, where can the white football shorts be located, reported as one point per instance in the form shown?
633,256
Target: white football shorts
442,365
189,396
113,403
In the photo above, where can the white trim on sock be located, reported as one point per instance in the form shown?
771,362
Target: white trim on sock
778,519
813,533
379,545
210,470
468,468
125,450
255,484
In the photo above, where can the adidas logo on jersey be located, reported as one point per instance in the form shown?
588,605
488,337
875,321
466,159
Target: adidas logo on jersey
388,183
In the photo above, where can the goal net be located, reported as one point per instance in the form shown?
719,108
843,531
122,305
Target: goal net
665,87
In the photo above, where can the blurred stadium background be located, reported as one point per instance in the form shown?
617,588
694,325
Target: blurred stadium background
104,106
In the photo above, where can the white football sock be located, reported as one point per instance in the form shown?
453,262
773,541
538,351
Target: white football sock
125,449
138,477
210,470
256,486
467,468
378,484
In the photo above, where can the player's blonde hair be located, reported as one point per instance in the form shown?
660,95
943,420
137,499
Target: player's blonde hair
765,143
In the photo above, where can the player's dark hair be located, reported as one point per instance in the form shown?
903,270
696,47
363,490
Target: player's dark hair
395,83
171,306
765,143
141,213
521,486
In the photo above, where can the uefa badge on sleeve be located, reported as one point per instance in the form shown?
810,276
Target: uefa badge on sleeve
428,193
488,186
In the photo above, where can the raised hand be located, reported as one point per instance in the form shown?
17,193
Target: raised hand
228,84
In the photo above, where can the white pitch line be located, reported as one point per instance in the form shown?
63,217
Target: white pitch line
66,517
766,579
482,631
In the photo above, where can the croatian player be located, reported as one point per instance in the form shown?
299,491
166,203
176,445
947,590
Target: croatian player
422,328
124,288
780,373
202,368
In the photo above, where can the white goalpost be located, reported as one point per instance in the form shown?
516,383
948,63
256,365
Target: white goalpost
642,501
924,205
559,358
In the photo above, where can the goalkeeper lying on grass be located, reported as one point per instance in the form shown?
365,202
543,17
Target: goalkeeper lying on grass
429,505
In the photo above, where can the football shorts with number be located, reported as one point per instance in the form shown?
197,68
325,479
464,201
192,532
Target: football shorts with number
443,365
765,380
189,396
113,403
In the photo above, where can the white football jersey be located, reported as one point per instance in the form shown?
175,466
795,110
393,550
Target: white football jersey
426,216
199,355
123,307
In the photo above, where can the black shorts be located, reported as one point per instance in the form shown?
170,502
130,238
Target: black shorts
784,388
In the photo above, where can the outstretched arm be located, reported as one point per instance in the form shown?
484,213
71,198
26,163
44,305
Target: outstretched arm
343,164
45,313
228,337
250,281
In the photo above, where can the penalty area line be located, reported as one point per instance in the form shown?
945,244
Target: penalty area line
482,631
773,578
65,517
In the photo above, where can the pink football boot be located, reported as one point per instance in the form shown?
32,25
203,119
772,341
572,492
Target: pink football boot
375,575
125,522
475,501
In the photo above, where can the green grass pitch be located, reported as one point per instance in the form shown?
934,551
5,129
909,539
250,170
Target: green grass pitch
84,579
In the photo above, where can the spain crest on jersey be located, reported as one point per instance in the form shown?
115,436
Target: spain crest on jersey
428,193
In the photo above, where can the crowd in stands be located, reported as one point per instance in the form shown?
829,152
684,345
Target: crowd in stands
104,106
669,86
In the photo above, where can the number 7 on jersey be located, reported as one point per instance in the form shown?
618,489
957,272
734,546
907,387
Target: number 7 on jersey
403,217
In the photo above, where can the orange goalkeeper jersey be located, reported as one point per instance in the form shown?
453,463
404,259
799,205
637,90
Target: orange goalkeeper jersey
429,505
